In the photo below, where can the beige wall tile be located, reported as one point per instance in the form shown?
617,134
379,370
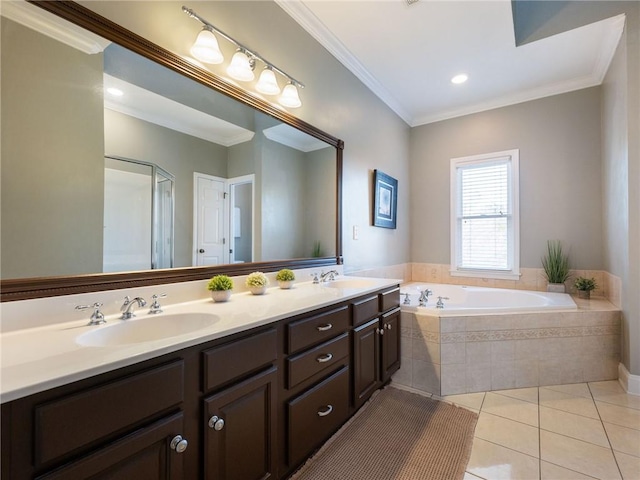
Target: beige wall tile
425,350
404,375
527,373
478,352
478,377
503,375
503,351
453,353
426,377
454,379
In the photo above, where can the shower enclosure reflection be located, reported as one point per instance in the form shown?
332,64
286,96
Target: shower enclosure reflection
138,216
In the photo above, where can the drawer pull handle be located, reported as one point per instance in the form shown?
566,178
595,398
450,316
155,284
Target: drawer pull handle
179,444
325,358
216,423
324,328
326,412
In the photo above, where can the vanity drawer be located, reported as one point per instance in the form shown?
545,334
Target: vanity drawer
70,423
238,358
390,299
307,364
365,309
316,414
310,331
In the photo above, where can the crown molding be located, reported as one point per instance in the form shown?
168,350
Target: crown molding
314,27
54,27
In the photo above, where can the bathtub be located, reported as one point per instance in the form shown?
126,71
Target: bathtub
488,339
465,300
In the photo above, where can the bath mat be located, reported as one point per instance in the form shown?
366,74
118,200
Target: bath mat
397,435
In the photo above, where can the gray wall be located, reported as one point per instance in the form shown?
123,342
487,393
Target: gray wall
334,100
52,127
560,192
621,181
320,188
179,154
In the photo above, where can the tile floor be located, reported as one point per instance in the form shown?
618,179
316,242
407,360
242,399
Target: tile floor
563,432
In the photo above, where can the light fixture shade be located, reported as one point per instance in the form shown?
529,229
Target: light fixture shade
240,67
267,82
206,48
289,97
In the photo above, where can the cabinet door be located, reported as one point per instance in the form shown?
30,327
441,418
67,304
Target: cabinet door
390,344
146,453
239,439
366,361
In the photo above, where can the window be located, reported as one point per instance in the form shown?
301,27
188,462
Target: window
484,216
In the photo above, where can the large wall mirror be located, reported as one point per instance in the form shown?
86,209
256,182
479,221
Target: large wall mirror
124,165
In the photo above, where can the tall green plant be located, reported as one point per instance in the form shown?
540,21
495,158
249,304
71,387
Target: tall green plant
555,263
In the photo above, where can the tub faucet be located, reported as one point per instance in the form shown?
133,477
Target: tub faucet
439,303
407,300
127,306
424,297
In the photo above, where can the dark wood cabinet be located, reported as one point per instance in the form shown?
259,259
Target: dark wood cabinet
250,406
376,344
240,429
366,361
390,355
153,452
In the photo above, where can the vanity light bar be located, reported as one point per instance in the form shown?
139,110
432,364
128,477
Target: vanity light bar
253,56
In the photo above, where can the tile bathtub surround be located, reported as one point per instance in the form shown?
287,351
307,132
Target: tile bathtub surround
558,432
463,354
609,285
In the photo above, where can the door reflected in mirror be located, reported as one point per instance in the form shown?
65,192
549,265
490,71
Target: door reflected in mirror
68,211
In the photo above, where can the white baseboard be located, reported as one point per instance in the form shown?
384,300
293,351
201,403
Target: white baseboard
631,383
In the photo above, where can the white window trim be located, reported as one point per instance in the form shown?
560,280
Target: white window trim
514,272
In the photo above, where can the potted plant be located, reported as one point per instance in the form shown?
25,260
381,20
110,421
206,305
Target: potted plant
556,266
285,278
257,283
584,286
220,287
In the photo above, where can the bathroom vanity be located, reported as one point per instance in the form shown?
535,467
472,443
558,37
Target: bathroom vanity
246,400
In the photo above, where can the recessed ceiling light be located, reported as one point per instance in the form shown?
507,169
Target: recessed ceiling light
116,92
459,78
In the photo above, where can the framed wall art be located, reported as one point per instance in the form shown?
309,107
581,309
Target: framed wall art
385,200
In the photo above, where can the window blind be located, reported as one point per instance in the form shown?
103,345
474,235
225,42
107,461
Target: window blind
484,215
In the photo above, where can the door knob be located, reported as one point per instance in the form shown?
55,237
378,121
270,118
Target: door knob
216,423
179,444
201,250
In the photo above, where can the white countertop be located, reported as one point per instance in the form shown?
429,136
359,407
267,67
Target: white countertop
44,357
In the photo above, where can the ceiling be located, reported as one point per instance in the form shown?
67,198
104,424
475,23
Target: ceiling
407,54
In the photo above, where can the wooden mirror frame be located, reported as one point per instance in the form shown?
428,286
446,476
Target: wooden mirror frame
31,288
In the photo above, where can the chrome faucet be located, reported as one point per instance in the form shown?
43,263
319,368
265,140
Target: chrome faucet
424,297
127,306
97,317
439,303
329,276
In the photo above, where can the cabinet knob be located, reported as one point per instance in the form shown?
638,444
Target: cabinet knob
216,423
326,412
324,358
380,331
388,326
179,444
324,328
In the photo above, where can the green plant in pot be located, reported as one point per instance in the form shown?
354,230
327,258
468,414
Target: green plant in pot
556,266
584,286
257,283
220,287
285,278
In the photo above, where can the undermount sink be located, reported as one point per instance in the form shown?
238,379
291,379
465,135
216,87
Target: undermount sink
146,329
350,283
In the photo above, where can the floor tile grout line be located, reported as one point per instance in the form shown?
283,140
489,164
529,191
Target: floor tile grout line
615,459
539,440
507,448
570,469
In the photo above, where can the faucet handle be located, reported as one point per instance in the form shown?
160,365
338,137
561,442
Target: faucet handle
155,306
316,279
127,301
97,317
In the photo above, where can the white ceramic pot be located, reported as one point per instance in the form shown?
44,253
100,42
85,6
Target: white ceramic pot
220,295
258,290
285,284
